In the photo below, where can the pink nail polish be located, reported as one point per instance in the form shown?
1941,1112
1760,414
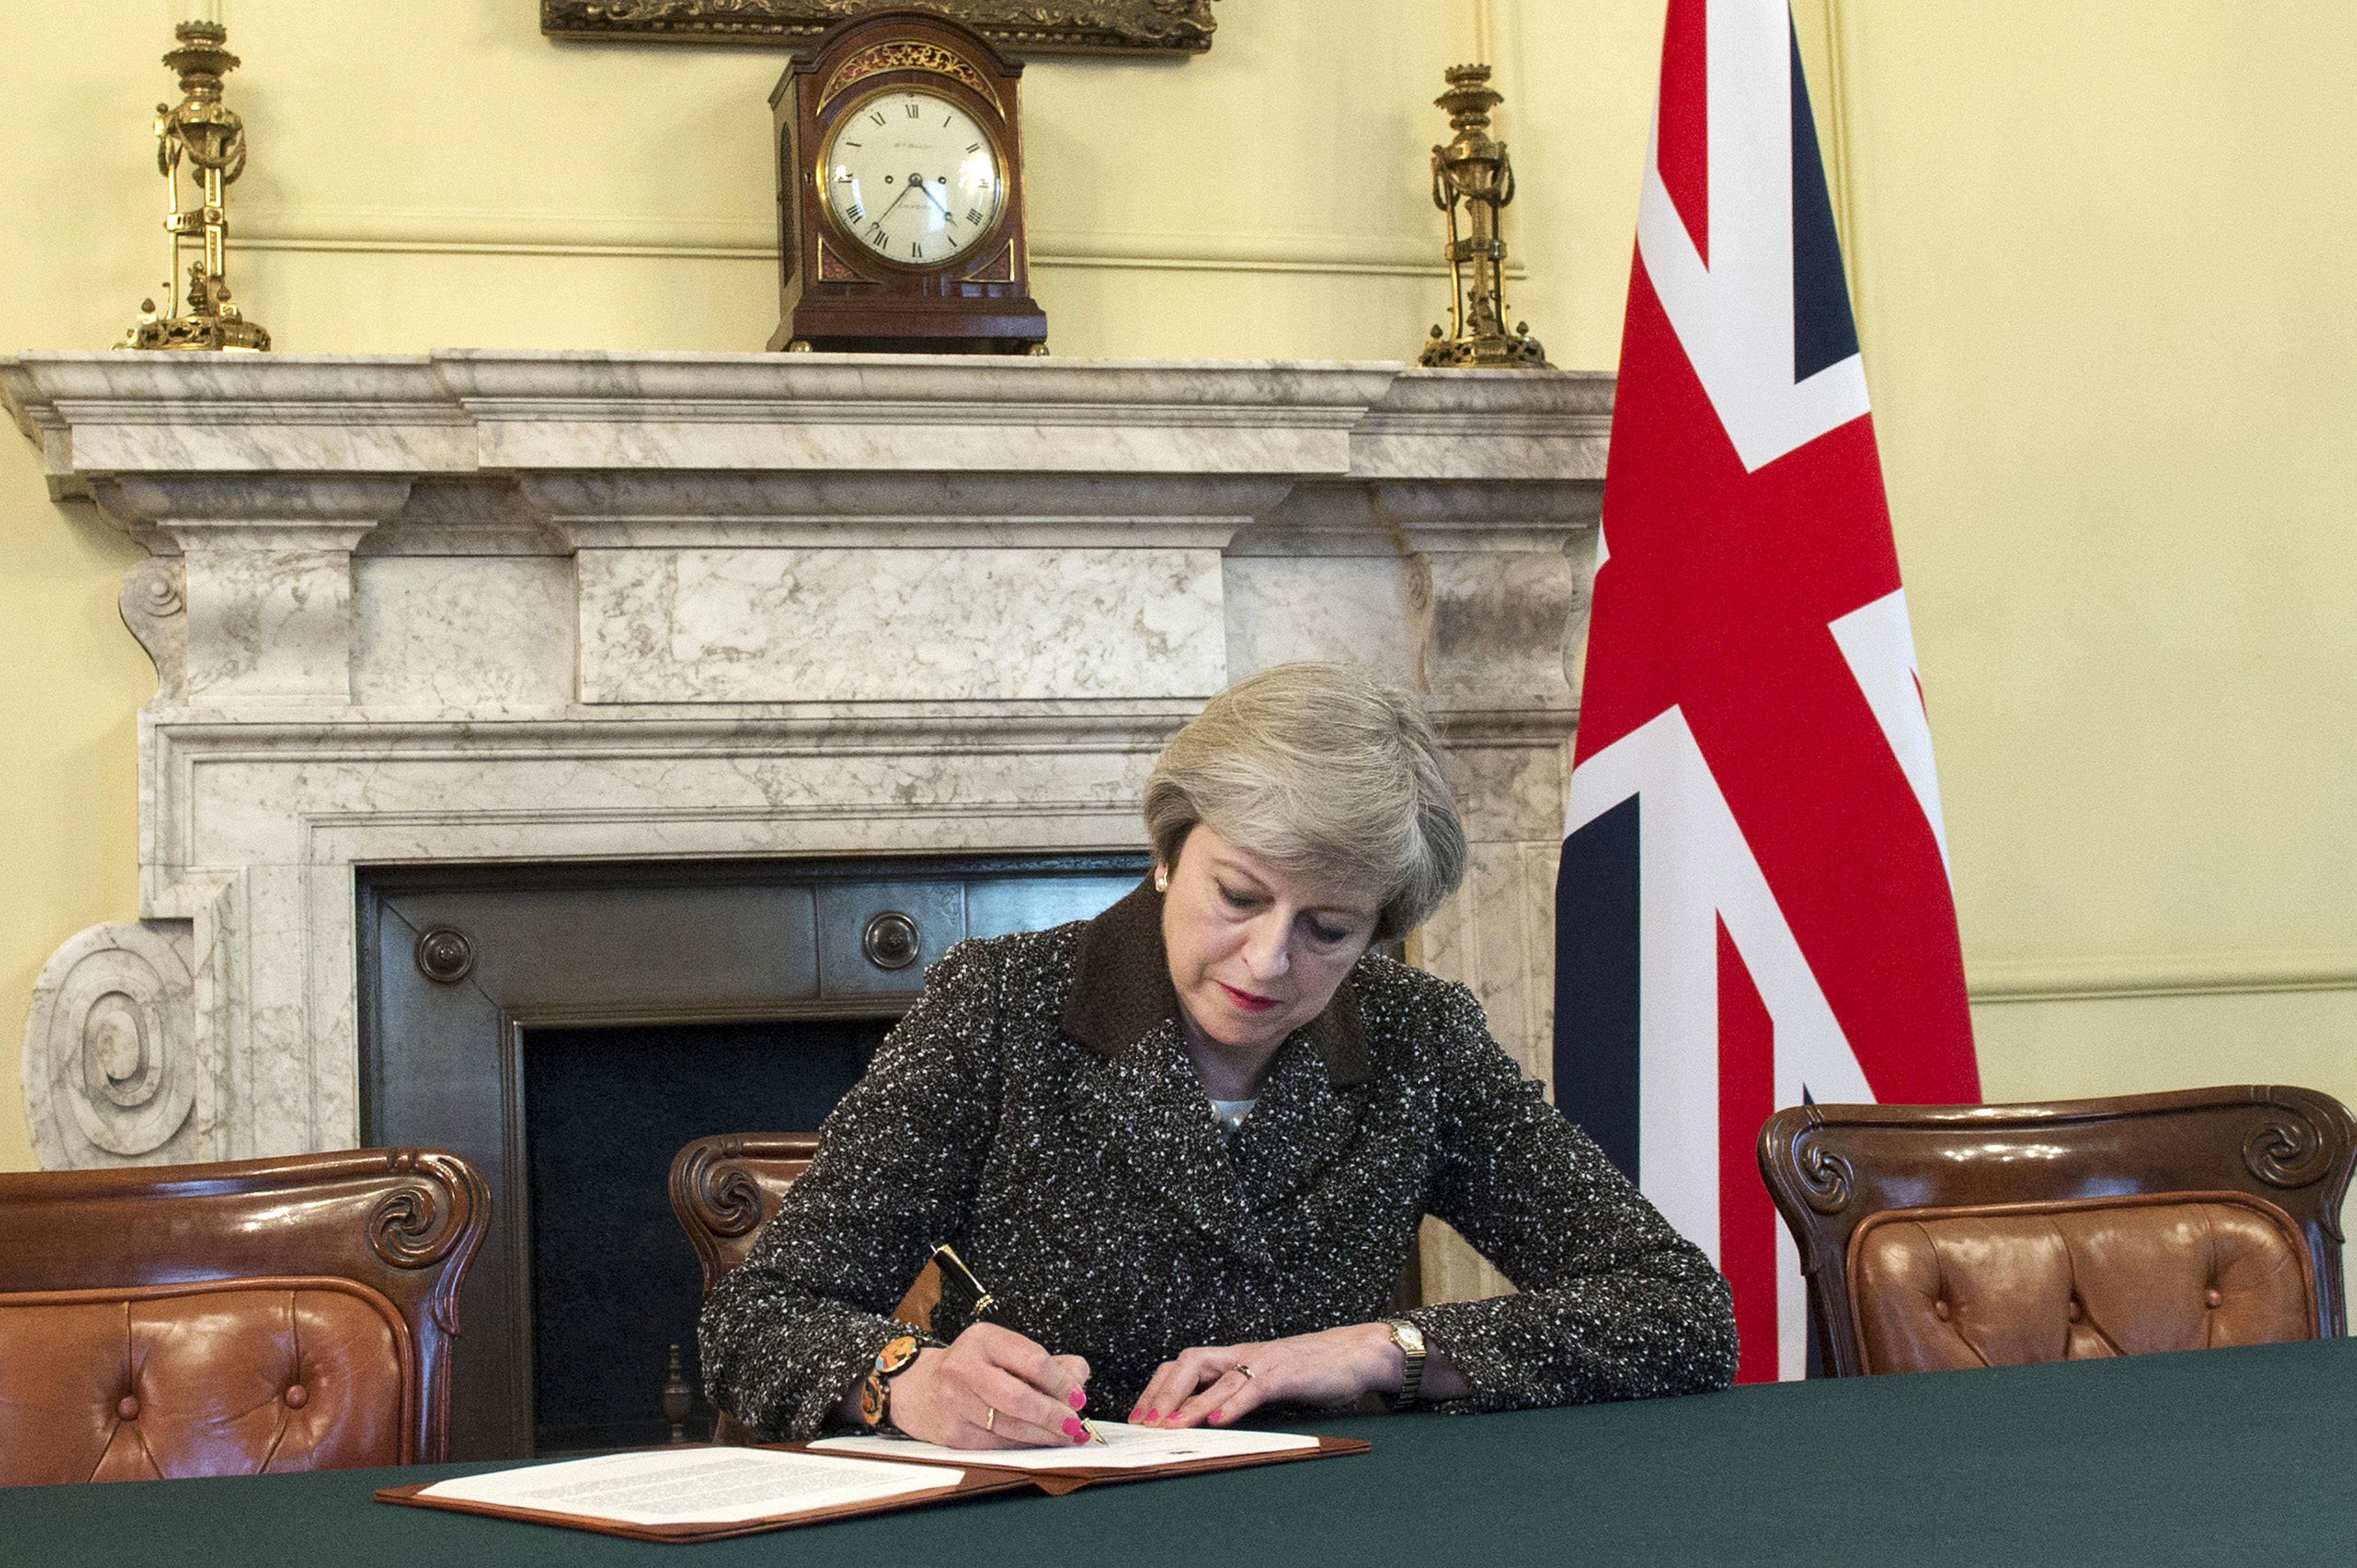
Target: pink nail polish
1075,1430
1151,1416
1219,1415
1080,1400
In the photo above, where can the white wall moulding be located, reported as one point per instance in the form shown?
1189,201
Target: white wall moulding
462,232
2187,974
475,606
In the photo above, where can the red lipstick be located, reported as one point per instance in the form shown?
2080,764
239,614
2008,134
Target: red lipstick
1245,1000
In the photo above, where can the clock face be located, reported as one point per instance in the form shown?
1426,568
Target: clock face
913,176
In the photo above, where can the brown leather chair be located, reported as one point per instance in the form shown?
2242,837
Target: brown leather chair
1949,1236
229,1319
725,1188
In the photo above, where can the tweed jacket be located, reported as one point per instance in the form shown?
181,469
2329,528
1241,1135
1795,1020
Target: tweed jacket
1037,1109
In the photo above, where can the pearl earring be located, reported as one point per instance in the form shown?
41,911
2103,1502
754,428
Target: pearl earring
1161,880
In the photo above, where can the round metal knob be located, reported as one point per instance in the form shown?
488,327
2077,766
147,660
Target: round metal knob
890,941
445,956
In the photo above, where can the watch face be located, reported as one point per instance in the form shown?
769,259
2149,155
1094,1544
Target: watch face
913,176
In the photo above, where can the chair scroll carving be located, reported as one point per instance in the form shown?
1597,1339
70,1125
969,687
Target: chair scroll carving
418,1225
723,1196
1825,1178
724,1186
2287,1150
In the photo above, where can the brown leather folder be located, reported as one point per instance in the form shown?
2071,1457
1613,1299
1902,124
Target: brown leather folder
979,1480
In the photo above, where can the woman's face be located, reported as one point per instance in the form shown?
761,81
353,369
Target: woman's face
1256,951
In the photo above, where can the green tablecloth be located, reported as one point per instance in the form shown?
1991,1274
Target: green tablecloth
2220,1456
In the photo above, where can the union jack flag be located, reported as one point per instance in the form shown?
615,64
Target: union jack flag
1754,907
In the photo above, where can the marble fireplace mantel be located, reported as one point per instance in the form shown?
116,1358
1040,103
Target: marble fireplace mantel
488,607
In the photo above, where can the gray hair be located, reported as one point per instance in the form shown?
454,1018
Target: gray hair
1318,769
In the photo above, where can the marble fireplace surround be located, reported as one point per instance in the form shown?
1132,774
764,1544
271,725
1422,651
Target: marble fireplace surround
495,606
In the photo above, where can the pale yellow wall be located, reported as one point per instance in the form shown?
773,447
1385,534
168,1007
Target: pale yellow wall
2094,247
2108,325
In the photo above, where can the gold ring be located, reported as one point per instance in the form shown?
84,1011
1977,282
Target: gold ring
1247,1371
990,1421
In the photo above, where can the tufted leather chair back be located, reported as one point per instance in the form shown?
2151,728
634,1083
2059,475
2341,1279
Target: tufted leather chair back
1940,1237
2001,1284
231,1319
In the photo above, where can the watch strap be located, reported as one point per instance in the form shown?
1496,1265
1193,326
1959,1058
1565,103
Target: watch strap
876,1388
1410,1339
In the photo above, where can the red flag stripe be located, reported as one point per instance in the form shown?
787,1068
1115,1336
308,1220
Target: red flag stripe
1684,146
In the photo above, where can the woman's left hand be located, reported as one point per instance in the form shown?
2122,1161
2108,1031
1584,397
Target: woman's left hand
1210,1383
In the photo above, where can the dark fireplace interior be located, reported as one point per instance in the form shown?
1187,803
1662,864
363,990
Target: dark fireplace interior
569,1027
614,1284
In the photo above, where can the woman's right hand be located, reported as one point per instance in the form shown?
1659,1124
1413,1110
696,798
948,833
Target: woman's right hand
948,1396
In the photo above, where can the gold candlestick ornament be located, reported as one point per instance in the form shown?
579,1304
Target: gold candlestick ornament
205,137
1473,172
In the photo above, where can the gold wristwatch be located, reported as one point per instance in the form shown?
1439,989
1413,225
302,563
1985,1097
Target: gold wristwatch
876,1389
1410,1339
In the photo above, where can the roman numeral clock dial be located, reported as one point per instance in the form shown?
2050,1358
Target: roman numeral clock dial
913,177
900,142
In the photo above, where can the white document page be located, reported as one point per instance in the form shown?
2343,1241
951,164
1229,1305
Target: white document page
1125,1447
694,1486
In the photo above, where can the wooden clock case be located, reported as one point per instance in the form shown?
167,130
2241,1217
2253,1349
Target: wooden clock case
834,293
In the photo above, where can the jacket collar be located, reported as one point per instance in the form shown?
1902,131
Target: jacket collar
1120,989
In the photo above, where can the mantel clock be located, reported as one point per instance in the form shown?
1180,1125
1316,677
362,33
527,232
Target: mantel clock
901,193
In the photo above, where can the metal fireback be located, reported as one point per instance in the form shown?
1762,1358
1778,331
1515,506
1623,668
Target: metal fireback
210,140
1472,171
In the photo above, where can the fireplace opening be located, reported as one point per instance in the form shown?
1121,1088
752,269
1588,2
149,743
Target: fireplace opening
614,1283
568,1027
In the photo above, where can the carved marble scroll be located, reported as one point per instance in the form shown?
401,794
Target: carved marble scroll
111,1066
154,608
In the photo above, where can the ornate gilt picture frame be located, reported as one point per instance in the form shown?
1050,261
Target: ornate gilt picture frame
1019,27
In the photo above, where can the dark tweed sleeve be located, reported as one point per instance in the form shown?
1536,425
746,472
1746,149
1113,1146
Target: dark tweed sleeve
1613,1303
786,1334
